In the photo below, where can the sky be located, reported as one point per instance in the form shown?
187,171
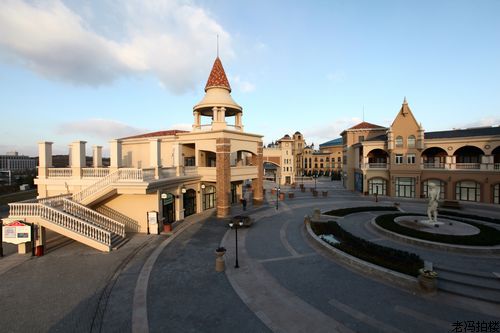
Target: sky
99,70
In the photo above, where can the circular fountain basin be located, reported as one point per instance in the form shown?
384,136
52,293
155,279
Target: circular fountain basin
444,226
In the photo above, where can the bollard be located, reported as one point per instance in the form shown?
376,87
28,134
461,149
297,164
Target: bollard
220,264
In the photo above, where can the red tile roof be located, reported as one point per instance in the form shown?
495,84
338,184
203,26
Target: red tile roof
365,125
218,78
154,134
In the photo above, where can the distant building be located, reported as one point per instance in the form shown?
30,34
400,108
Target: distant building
14,162
403,160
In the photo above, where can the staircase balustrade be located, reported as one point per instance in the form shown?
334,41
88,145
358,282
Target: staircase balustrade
95,172
93,217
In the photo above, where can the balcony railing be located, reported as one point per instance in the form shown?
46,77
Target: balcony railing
376,165
467,166
95,172
59,173
433,165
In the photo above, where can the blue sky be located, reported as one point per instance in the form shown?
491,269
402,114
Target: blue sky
98,70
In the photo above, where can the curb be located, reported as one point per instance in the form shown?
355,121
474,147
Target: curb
438,246
393,277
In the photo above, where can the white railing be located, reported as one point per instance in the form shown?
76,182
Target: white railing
467,165
433,165
148,174
59,173
168,172
95,172
61,219
129,223
124,174
93,217
376,165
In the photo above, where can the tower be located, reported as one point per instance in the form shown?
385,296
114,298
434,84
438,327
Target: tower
217,103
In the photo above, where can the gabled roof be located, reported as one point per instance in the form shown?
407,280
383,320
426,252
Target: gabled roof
155,134
467,132
217,78
382,137
334,142
365,125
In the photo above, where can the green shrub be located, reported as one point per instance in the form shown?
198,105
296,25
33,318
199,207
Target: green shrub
397,260
347,211
487,236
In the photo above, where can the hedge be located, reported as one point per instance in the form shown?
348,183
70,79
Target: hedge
487,236
397,260
351,210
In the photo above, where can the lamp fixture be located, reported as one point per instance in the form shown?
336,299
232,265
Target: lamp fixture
203,186
183,189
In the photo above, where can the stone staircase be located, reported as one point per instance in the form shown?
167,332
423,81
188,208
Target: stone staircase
71,219
480,286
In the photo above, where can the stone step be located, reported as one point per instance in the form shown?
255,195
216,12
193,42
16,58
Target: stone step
481,282
492,296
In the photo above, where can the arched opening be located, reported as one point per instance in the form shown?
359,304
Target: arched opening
434,158
270,170
411,141
207,159
377,158
496,157
209,197
189,199
168,207
468,190
405,187
438,183
468,157
377,186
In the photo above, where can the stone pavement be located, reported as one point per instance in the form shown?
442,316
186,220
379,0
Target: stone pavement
282,285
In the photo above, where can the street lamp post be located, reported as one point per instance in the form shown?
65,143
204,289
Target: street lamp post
236,227
315,176
277,196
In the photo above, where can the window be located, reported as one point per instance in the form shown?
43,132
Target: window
339,159
405,187
496,194
209,197
411,141
399,141
399,158
189,161
377,185
321,165
439,184
468,191
328,159
410,158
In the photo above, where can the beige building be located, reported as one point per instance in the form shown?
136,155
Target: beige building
292,158
169,173
403,160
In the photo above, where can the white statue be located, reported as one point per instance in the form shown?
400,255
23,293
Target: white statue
432,208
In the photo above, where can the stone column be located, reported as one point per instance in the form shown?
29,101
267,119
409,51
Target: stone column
257,183
97,156
197,121
155,156
44,158
219,121
177,159
237,123
115,154
77,158
223,176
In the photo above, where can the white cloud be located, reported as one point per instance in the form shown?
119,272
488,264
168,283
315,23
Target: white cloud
99,128
171,39
243,86
483,122
321,134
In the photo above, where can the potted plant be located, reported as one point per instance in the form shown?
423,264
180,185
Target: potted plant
427,279
219,261
220,251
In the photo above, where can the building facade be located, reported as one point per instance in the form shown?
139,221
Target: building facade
16,163
403,160
171,173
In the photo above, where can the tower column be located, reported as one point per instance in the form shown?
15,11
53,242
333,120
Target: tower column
197,121
155,156
97,156
78,158
115,151
44,158
223,176
257,183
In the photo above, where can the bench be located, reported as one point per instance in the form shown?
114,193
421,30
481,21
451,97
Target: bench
451,204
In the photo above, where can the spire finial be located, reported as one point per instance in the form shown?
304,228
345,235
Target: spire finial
363,113
404,101
217,45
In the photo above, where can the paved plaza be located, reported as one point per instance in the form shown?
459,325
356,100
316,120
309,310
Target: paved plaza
162,283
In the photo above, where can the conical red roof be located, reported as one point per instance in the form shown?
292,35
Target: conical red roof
218,78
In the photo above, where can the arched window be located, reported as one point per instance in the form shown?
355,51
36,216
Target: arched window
399,141
411,141
468,191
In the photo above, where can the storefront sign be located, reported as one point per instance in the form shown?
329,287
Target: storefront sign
153,217
16,233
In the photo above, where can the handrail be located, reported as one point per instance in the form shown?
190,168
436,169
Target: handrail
93,217
95,172
129,223
62,219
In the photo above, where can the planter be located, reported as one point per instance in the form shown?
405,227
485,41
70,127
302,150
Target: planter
427,280
282,196
167,227
220,264
324,193
291,195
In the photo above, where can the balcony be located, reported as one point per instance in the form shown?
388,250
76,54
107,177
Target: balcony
435,165
376,166
467,166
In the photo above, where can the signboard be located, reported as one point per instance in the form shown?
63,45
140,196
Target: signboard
153,217
168,198
16,233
